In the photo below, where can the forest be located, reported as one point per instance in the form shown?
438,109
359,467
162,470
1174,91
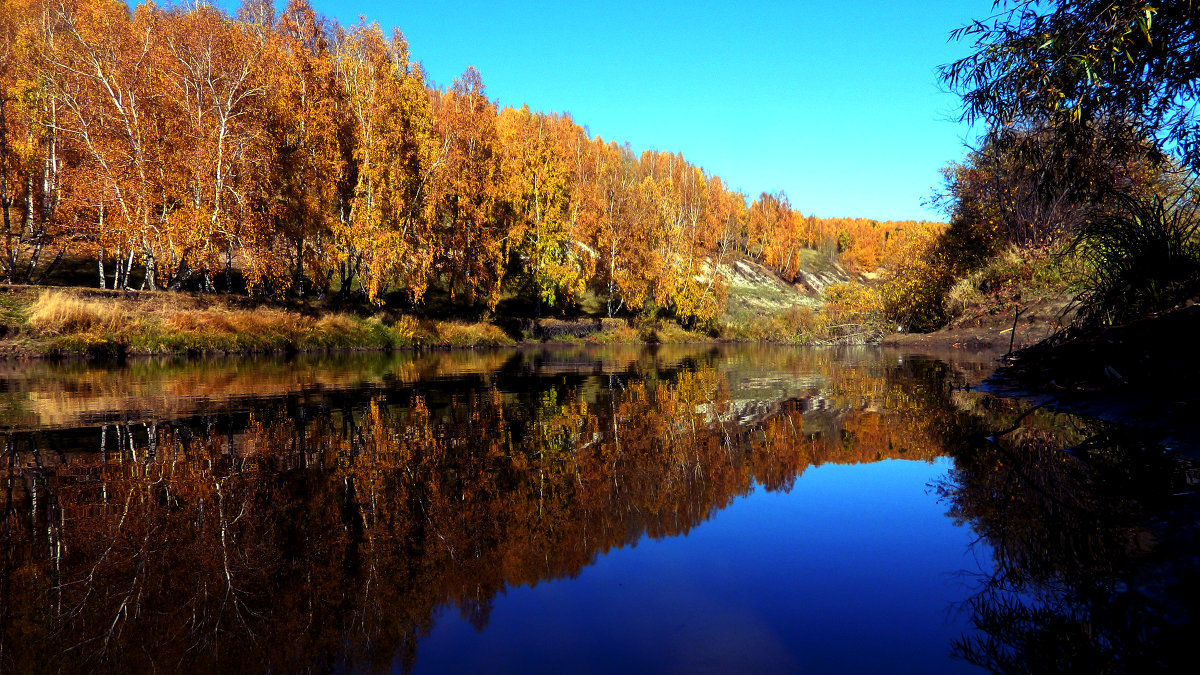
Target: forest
289,157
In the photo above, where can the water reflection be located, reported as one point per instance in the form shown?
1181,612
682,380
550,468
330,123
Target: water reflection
1093,530
316,515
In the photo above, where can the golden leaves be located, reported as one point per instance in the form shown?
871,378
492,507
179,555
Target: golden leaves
296,155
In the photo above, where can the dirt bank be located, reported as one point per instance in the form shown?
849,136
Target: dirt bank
992,330
1141,375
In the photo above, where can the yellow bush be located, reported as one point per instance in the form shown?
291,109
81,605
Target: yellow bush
852,297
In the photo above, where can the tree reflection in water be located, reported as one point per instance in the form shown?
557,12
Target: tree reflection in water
1093,533
304,528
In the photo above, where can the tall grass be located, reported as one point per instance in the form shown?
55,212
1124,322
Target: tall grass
1144,258
61,313
72,321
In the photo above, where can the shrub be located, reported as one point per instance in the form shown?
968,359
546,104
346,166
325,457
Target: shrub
914,292
1144,258
852,297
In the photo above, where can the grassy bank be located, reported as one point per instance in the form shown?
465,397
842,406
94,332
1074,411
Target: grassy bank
71,321
54,322
51,322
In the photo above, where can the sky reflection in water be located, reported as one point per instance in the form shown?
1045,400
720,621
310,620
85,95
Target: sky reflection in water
856,569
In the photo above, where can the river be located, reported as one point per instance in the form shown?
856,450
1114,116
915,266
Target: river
586,510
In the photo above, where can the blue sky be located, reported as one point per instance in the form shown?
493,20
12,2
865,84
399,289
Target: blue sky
837,104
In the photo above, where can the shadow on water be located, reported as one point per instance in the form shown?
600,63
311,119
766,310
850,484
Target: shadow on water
1093,533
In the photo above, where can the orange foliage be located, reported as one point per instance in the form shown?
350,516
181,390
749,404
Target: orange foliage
179,146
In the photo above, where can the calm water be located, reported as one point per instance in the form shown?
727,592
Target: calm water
672,510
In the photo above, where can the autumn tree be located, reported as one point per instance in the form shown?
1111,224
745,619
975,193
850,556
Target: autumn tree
472,209
309,130
726,216
584,207
38,214
690,282
771,232
213,70
1024,187
623,234
386,238
537,179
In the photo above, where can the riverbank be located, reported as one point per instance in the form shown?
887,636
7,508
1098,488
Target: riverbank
85,322
1012,329
70,322
1138,375
67,322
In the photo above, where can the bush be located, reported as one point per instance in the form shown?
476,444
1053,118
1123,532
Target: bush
852,297
1144,258
915,290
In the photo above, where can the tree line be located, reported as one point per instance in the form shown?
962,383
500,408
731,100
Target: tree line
188,148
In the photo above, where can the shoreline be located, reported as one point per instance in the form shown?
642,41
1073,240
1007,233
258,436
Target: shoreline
95,324
1081,377
1129,375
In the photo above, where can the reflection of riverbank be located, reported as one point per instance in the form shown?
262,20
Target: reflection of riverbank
43,395
1094,533
331,525
1132,375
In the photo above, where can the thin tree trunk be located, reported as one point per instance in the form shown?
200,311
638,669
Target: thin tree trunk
150,281
300,268
128,271
5,199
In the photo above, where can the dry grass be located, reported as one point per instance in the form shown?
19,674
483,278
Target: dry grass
462,334
618,331
617,334
60,313
225,321
66,321
669,332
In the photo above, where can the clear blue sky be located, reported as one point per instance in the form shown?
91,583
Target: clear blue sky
837,104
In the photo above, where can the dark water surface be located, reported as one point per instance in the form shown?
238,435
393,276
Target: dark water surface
684,509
